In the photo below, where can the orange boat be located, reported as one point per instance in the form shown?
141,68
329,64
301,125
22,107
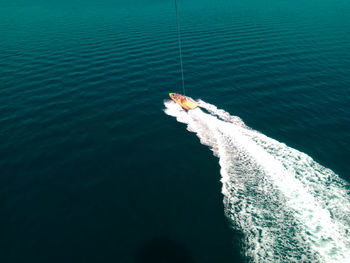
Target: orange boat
185,102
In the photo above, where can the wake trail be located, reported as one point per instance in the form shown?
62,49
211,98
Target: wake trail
289,207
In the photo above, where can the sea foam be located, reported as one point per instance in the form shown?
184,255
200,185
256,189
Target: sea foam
288,207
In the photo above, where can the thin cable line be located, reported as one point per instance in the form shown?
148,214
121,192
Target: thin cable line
180,51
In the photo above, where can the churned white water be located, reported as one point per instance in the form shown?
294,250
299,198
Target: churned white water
288,207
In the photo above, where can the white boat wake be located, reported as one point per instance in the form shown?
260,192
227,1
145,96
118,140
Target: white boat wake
288,207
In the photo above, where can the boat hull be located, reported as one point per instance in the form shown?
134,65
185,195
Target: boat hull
185,102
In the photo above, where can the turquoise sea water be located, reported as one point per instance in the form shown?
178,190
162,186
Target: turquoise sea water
93,168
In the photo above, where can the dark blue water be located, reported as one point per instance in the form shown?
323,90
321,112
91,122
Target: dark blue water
91,168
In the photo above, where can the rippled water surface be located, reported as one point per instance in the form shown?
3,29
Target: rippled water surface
91,168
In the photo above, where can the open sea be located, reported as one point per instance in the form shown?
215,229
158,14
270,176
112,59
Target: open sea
98,165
